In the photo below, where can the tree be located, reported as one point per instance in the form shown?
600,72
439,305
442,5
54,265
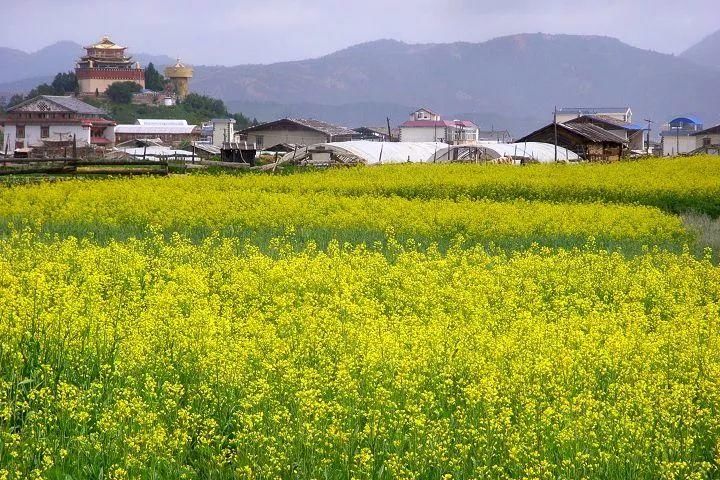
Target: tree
153,79
122,92
15,100
65,83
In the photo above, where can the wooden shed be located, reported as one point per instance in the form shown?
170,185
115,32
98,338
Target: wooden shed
590,142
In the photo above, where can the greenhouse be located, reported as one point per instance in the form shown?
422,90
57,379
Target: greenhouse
379,153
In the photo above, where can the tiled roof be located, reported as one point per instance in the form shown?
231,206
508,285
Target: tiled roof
70,103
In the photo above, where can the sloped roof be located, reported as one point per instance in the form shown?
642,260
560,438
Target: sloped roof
106,44
423,109
592,110
593,132
69,103
607,120
588,131
310,124
709,131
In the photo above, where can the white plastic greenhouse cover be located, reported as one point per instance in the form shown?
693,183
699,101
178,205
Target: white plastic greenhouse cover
374,153
539,152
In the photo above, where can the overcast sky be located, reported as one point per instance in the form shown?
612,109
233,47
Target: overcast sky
231,32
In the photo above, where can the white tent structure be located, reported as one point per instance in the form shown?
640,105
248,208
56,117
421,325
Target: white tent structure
367,152
380,153
530,152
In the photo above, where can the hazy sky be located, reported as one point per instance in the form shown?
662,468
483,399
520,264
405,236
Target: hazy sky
230,32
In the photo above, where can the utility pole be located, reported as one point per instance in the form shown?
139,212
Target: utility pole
389,130
650,122
556,134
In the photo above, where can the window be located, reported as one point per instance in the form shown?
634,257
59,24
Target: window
259,141
44,132
707,141
20,131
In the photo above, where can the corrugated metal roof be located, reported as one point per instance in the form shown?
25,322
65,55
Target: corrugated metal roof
592,132
610,121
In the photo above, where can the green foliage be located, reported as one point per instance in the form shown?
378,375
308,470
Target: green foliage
15,99
153,79
196,109
122,92
65,83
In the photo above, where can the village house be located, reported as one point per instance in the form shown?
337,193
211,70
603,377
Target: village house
565,114
47,119
633,134
171,132
297,131
679,135
427,126
589,141
218,132
104,64
709,137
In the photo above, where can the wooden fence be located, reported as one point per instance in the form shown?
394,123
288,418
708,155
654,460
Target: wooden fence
76,166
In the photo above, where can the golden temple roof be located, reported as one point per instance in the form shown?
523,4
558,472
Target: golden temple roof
106,44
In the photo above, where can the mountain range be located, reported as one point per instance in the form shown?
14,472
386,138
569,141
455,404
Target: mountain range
18,67
706,52
511,82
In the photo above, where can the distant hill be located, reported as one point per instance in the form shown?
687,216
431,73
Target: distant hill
17,65
519,78
706,52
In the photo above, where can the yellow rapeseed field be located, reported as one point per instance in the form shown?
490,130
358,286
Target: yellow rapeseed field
422,329
225,203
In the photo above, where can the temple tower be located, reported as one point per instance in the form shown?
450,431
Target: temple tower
180,76
104,64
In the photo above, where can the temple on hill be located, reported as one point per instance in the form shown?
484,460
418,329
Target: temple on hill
104,64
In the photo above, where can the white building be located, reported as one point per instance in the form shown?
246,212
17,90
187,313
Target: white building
47,119
623,114
679,135
169,131
427,126
219,131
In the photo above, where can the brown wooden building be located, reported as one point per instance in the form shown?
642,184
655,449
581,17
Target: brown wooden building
589,141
